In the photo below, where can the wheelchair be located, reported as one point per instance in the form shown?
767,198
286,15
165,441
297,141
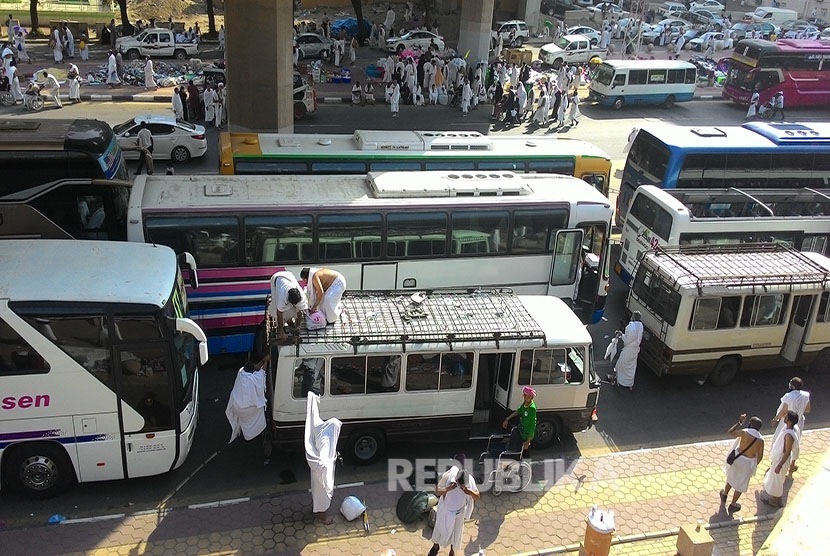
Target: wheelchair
503,463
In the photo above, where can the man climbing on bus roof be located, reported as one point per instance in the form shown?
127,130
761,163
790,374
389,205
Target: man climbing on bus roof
324,288
288,299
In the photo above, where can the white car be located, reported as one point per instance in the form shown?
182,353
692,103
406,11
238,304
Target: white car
593,35
419,37
172,140
701,42
712,5
611,10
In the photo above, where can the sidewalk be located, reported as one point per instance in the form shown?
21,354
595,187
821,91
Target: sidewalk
327,93
652,492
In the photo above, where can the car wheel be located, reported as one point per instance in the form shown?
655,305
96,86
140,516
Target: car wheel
324,54
619,102
594,42
133,54
724,371
299,111
39,470
400,48
519,42
365,446
669,102
557,63
180,54
180,154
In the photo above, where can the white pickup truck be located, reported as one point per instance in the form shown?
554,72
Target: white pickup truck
570,49
158,43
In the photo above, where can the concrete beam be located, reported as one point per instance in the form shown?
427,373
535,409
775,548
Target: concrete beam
530,12
259,45
474,30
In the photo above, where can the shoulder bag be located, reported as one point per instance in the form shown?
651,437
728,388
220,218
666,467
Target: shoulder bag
733,455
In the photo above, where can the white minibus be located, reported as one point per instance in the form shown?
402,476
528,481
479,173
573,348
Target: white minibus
620,82
98,363
449,365
712,310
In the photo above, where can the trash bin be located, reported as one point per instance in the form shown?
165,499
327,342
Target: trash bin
598,532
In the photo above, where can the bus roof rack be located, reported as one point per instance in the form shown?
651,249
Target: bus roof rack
445,316
742,265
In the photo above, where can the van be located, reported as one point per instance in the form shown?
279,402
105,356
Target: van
776,16
671,9
621,82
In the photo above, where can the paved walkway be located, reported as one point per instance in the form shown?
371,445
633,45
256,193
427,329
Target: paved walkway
652,492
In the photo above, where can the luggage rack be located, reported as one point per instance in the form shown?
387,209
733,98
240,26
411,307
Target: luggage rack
742,265
445,316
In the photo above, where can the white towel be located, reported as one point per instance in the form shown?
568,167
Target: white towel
245,410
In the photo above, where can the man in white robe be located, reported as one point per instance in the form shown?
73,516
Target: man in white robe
112,71
457,493
324,288
149,75
178,107
288,299
785,449
219,105
69,41
210,99
57,45
246,404
321,454
626,367
749,449
73,79
798,400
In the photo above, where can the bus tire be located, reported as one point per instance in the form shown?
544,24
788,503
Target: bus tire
180,154
669,102
299,111
180,54
366,446
725,370
39,470
548,431
619,102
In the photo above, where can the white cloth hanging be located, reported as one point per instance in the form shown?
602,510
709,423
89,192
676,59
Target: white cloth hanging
320,452
245,411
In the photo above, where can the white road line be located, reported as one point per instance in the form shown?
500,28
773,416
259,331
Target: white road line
92,519
347,485
219,503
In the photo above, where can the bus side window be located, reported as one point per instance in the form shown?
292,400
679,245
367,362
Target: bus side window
348,375
145,383
823,314
422,371
17,356
383,374
763,310
309,376
85,338
456,371
619,80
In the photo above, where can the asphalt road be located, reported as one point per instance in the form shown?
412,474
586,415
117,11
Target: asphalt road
660,411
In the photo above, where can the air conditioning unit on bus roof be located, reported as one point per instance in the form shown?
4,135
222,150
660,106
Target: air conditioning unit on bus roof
398,185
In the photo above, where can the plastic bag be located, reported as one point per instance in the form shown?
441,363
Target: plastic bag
316,321
352,508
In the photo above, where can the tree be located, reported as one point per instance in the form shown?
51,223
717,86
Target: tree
126,26
211,17
358,13
33,16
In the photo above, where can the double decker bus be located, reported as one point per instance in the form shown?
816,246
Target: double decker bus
799,218
755,155
99,364
800,68
534,233
384,151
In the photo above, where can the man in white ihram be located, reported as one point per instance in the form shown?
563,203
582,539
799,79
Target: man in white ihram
626,366
324,288
457,492
288,299
321,454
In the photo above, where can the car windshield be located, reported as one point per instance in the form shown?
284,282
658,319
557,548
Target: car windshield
121,128
604,75
562,42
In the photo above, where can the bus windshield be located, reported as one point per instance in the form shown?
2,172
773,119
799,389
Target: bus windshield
604,75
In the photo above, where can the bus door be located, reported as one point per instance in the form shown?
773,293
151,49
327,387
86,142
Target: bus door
799,321
495,371
382,276
566,262
150,421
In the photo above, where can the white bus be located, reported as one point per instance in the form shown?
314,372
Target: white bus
716,309
536,233
451,366
98,363
799,218
620,82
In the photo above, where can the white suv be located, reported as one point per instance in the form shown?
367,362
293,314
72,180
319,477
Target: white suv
513,33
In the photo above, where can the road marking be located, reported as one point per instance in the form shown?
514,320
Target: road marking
219,503
347,485
93,519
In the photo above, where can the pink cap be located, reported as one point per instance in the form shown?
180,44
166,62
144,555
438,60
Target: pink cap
528,391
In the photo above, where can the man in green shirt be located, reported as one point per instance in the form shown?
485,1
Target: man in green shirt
527,417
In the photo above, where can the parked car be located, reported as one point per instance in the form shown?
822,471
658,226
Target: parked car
593,35
172,140
701,42
513,33
570,49
312,45
558,7
807,32
609,9
677,26
671,9
819,22
824,35
419,37
742,29
711,5
706,17
622,27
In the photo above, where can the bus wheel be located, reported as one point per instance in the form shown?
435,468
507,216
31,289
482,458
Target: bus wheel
39,470
669,102
299,111
619,102
548,431
365,446
725,371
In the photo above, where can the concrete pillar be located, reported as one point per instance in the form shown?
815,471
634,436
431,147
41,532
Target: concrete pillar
474,30
260,70
530,12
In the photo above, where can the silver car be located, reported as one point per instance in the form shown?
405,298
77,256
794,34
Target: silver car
312,45
172,140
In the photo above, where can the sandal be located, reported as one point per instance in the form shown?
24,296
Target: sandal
734,508
722,498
